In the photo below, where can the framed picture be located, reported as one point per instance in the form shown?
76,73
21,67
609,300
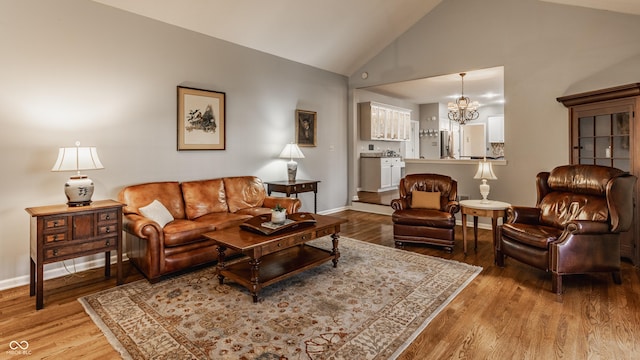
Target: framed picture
201,119
306,128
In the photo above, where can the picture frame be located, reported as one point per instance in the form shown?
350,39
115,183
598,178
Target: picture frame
201,119
306,128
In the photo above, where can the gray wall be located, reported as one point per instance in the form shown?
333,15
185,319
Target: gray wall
79,70
547,50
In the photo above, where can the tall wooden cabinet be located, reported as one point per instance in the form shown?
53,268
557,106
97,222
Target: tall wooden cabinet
604,130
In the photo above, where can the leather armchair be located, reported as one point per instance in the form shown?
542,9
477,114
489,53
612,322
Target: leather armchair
576,223
434,226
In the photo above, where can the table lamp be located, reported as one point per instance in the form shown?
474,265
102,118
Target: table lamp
79,188
292,151
485,172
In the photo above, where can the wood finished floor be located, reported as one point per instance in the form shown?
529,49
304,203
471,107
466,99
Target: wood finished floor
505,313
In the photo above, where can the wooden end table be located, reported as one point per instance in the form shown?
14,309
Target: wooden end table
60,232
493,209
271,258
295,187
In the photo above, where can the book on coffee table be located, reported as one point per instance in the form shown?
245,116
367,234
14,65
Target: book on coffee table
262,223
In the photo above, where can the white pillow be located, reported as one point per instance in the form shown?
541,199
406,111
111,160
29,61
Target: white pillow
157,212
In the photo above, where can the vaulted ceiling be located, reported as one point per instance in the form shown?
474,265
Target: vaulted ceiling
334,35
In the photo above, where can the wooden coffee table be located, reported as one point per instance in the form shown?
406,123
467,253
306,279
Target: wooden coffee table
271,258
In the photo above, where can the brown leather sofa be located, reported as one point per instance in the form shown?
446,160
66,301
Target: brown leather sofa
197,207
433,225
574,228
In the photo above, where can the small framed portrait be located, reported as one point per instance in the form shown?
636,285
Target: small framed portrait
201,119
306,128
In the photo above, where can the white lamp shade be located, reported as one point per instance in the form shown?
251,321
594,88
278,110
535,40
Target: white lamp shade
485,171
77,158
291,151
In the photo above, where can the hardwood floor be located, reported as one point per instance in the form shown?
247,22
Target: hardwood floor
505,313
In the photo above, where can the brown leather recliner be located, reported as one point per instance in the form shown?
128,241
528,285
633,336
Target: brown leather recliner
574,228
436,225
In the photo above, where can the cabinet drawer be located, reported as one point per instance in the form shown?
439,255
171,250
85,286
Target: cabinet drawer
286,243
76,249
478,212
303,188
55,237
107,216
107,229
55,223
325,232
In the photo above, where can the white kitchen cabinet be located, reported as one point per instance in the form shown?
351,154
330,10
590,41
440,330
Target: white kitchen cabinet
380,174
496,129
384,122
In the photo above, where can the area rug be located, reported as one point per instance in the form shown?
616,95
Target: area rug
371,306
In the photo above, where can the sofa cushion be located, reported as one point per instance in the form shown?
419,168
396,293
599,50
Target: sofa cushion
181,232
223,220
244,192
167,192
204,197
157,212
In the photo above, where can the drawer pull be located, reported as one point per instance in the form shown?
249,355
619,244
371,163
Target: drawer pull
55,237
279,245
107,217
55,223
108,243
55,252
108,230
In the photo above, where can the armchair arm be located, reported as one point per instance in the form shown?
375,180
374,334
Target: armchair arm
523,215
579,227
400,204
291,204
452,207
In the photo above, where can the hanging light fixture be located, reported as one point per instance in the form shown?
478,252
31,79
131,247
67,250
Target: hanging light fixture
463,110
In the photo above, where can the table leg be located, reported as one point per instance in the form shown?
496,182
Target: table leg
475,233
464,232
32,278
120,276
221,264
107,264
335,252
255,278
494,234
39,286
315,202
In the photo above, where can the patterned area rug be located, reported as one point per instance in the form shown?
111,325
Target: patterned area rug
372,306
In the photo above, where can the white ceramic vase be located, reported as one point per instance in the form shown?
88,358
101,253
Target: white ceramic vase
278,217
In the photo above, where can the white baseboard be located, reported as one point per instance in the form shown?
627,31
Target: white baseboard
59,271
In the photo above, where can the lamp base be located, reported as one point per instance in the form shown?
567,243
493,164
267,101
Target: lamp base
292,169
78,190
484,191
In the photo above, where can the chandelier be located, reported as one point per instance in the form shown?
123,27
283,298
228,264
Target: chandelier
463,110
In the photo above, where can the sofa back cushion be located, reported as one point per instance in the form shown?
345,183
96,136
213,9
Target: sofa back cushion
166,192
244,192
204,197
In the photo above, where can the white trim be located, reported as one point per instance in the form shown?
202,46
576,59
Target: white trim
59,272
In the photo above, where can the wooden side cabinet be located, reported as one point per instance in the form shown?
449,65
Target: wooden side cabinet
60,232
604,131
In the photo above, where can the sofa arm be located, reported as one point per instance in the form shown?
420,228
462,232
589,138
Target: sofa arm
291,204
523,215
141,226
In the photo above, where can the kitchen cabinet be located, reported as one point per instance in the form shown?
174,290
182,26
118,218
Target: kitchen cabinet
380,174
384,122
603,131
496,129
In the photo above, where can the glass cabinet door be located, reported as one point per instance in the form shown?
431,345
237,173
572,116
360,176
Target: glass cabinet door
602,137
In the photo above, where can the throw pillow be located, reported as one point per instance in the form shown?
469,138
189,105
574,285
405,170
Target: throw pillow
157,212
425,200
